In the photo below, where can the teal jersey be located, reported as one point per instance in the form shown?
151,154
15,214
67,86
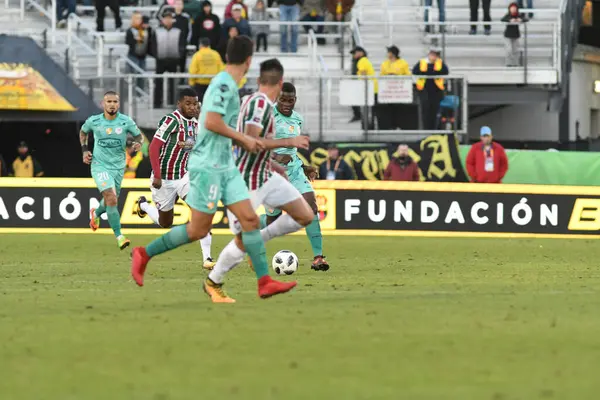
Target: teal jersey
288,127
213,151
110,139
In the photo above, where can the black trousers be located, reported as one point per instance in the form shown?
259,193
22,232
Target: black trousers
200,90
389,116
369,118
430,106
163,66
485,4
261,38
101,12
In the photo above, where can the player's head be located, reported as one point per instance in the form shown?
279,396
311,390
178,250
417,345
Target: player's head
271,73
110,102
187,102
287,99
239,51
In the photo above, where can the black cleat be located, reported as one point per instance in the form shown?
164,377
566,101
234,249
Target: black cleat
319,264
138,210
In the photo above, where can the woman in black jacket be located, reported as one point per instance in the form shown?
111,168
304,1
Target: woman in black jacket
206,25
512,34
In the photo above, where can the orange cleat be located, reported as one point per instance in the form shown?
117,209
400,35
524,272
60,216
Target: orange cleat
215,292
139,260
268,287
94,221
319,264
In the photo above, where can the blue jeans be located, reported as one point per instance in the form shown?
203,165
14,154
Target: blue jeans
140,62
441,6
289,13
522,2
61,6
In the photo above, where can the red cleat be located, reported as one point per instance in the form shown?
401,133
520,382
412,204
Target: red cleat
139,260
268,287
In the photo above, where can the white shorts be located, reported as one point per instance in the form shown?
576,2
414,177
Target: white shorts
277,192
165,198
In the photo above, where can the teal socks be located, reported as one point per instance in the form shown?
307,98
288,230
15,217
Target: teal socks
114,219
255,247
171,240
263,221
313,231
101,209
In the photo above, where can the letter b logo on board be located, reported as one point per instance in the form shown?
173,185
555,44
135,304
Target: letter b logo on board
585,215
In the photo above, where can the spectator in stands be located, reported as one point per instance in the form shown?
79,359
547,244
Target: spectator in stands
487,161
335,168
167,44
388,115
64,8
441,14
431,90
402,167
362,66
338,11
289,11
3,169
313,11
512,33
231,33
138,39
206,61
167,6
259,13
101,10
25,166
485,4
521,4
229,9
206,25
236,20
184,23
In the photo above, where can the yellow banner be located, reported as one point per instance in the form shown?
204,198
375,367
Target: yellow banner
24,88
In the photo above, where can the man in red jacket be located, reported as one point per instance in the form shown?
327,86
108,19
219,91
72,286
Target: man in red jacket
487,161
402,167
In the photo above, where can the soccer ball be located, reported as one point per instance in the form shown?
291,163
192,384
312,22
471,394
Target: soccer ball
285,262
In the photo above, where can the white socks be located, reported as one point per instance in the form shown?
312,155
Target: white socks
231,255
282,226
151,211
205,244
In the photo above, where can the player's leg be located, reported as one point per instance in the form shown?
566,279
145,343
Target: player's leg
313,232
205,193
112,211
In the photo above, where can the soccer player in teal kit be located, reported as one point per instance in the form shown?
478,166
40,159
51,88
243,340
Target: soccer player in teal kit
110,131
288,124
214,177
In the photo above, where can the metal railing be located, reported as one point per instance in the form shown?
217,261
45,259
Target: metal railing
319,99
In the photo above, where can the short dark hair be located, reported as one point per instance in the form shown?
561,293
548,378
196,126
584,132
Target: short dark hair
187,92
204,42
288,87
271,72
239,49
110,93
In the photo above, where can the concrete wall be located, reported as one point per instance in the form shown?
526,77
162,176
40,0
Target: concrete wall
584,103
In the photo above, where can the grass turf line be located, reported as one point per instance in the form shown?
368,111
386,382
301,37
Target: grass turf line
395,318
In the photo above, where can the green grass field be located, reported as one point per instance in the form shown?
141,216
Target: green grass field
395,318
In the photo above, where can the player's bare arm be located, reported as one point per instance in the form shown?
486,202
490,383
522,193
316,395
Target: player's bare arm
283,159
214,123
87,154
311,172
300,142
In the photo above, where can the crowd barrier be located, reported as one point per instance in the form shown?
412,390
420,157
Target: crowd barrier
350,208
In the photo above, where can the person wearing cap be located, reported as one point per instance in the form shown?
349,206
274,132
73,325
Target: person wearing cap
431,90
167,45
236,20
389,117
486,161
205,61
361,66
229,9
334,167
25,166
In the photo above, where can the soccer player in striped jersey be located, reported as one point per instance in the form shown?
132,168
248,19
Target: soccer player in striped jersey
265,180
169,153
288,123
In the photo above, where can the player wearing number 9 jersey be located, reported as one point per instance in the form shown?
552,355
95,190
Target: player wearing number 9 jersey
214,177
264,180
110,131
